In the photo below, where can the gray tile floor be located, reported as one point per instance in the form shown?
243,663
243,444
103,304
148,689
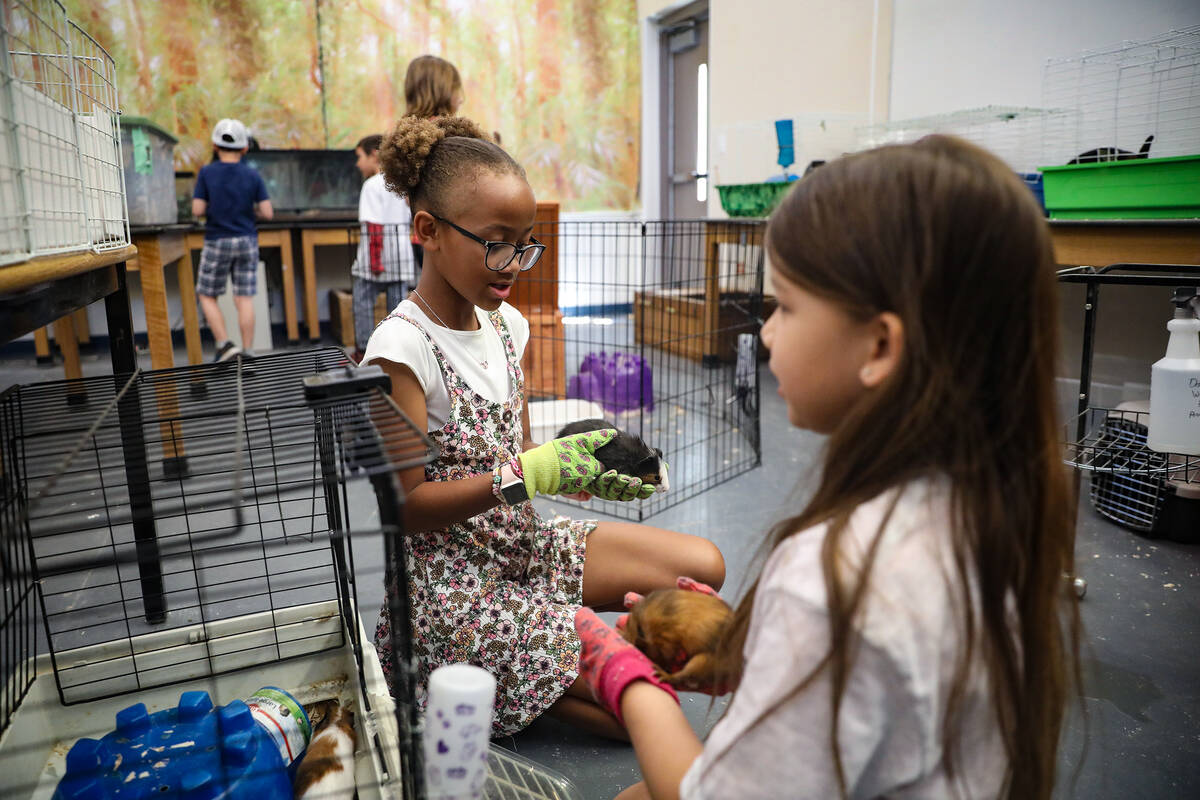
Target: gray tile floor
1141,650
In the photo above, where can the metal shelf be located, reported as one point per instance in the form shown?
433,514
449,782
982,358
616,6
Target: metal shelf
1113,441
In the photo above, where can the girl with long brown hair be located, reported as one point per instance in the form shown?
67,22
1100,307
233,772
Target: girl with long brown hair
910,634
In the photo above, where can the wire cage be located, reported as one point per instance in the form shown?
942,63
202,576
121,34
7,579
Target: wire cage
1120,95
1014,133
651,326
61,178
207,527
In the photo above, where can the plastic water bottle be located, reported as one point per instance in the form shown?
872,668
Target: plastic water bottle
1175,383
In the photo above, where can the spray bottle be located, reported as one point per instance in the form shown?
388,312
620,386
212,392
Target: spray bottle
1175,382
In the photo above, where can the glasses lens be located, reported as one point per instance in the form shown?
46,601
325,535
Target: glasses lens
500,255
531,256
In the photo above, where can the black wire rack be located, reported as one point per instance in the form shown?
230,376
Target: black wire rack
645,324
1129,483
185,523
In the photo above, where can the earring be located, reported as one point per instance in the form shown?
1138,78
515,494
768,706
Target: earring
865,374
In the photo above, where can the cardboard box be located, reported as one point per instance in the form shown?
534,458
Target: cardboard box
546,354
341,314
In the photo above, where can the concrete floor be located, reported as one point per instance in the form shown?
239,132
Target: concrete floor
1141,650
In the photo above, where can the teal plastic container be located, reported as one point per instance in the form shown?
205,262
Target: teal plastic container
1138,188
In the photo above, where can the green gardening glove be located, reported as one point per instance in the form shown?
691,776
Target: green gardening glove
564,466
612,485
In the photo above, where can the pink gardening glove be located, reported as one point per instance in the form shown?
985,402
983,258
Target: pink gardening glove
609,663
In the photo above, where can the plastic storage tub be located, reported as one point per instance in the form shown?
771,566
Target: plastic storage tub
1139,188
752,199
149,156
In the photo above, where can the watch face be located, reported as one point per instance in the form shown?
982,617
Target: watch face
514,493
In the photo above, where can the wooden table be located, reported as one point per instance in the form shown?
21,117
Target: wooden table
311,237
37,292
1098,243
269,237
157,247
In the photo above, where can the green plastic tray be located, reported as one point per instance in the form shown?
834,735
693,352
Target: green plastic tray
752,199
1139,188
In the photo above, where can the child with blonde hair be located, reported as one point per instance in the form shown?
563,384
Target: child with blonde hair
432,88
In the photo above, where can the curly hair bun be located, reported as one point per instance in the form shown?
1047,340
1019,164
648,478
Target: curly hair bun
407,148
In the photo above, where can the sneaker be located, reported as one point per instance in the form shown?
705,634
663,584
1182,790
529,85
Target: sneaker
226,352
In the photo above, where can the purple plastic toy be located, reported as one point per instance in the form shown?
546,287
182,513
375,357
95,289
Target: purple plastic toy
617,381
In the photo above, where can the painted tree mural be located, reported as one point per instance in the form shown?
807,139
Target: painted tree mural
558,79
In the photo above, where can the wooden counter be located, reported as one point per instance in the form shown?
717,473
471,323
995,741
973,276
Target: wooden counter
1098,243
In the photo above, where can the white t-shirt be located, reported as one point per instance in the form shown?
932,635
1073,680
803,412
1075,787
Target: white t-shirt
378,205
477,356
895,698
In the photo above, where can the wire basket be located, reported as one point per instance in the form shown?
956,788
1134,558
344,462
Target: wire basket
1128,480
61,172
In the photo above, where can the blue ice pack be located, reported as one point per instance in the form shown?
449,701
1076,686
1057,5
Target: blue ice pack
193,751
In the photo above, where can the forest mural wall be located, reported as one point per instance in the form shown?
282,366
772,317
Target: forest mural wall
558,79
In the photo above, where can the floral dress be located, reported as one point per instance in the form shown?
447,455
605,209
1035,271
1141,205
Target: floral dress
501,589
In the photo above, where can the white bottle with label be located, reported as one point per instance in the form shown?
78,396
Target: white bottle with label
1175,383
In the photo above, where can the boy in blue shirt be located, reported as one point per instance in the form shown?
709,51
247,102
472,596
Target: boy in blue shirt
230,195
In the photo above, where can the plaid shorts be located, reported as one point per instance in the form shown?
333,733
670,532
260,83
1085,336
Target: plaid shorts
219,257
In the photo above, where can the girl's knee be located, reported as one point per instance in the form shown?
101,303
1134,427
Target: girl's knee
709,564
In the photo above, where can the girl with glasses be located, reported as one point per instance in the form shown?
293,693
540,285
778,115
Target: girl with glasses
493,583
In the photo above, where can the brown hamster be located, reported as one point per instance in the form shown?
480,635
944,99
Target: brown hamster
678,630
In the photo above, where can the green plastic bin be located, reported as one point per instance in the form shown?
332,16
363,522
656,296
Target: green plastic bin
752,199
1138,188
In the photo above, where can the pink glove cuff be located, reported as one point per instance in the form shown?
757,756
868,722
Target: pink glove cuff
622,669
693,585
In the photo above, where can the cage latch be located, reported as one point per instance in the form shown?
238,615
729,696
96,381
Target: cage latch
345,381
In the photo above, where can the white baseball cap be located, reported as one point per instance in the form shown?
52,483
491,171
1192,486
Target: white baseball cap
231,133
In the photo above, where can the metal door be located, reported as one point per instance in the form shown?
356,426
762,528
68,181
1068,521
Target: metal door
685,116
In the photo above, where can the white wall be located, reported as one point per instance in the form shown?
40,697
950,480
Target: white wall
806,60
950,56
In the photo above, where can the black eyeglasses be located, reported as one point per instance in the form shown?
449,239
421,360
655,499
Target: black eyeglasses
500,254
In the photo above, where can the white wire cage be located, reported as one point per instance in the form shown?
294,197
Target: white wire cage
1119,96
1014,133
62,186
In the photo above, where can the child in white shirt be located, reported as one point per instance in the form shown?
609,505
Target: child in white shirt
384,262
911,634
